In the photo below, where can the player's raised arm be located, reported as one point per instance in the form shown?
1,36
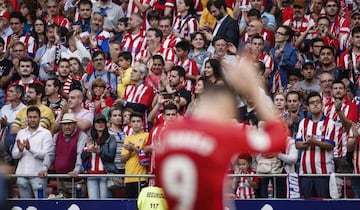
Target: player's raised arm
242,76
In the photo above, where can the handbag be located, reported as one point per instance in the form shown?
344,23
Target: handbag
115,182
269,166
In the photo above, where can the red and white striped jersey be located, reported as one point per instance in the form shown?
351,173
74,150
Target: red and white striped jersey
341,135
268,61
340,25
167,54
27,39
266,35
170,41
59,20
160,5
127,130
326,100
349,62
142,94
315,160
277,87
244,190
132,8
190,69
134,43
186,25
356,158
298,26
153,137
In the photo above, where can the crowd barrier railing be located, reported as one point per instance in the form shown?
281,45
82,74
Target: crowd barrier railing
345,177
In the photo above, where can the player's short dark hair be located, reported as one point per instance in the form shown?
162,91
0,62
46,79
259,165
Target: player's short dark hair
170,106
337,81
39,89
254,13
85,2
17,15
159,57
158,33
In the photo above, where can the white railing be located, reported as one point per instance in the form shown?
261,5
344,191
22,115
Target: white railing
273,176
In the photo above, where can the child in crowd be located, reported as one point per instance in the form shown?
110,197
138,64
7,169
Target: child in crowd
122,28
244,187
182,50
125,60
126,121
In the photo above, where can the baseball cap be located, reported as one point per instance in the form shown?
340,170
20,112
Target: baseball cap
301,3
306,62
355,12
99,117
68,118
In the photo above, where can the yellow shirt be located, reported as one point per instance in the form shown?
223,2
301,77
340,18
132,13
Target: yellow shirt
123,82
152,198
47,118
208,18
132,165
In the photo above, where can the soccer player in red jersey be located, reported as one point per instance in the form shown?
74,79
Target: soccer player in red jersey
193,154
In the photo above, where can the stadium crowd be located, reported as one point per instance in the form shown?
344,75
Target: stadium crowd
86,86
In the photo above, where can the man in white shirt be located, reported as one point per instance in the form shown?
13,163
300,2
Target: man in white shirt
9,111
34,149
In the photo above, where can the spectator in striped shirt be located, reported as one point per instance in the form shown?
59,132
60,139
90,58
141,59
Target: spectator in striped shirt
315,138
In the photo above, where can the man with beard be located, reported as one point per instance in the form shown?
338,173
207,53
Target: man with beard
299,22
344,113
34,96
67,82
48,55
225,26
53,99
174,84
134,41
310,82
111,12
26,68
327,61
34,149
98,38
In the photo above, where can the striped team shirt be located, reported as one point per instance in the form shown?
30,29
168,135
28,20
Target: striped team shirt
141,94
60,21
27,39
170,41
315,160
340,25
132,8
268,61
134,43
145,56
348,62
265,34
298,25
190,69
186,25
341,135
244,190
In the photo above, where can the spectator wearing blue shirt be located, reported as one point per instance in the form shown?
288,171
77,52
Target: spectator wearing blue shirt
98,60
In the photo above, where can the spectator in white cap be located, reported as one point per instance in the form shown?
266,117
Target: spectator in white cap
69,143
